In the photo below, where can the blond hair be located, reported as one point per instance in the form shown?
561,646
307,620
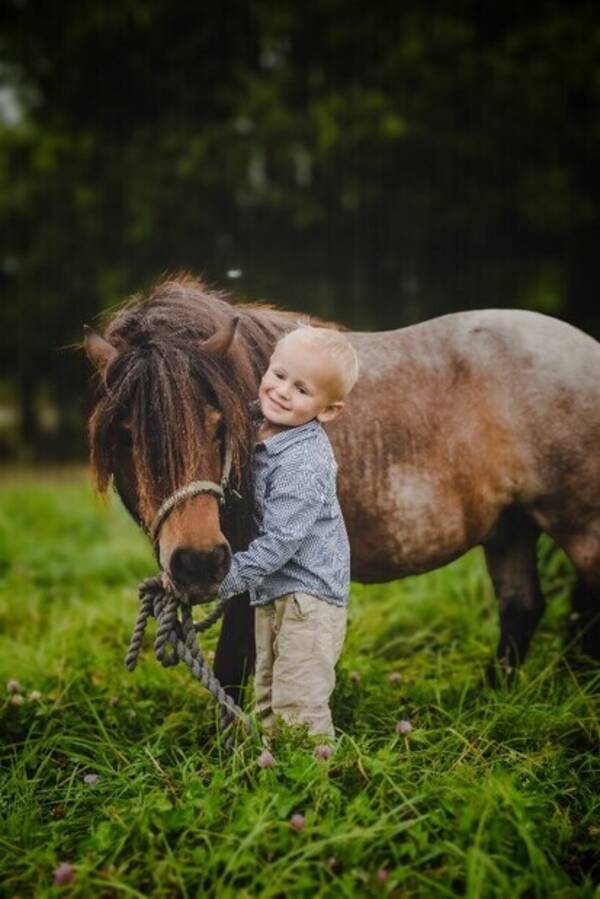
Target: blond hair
333,344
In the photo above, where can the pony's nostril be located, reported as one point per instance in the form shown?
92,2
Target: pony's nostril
192,566
186,565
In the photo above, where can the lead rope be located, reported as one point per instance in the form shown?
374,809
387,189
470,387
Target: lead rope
176,640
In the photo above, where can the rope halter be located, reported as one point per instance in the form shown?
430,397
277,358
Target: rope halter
195,488
176,636
176,641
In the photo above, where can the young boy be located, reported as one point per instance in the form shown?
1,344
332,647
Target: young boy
297,570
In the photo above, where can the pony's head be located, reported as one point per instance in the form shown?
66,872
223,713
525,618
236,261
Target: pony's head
176,372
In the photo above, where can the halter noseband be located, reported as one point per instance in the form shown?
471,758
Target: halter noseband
195,488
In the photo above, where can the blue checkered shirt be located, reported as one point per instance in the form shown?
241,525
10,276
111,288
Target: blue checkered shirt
301,543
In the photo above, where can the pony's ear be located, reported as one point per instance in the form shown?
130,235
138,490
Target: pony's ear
221,341
99,351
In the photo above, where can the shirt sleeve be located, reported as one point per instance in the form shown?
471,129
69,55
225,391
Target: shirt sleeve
291,510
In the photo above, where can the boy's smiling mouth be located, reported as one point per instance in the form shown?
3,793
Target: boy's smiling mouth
277,404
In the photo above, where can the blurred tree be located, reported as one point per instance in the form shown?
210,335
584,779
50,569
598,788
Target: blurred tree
93,203
375,163
433,159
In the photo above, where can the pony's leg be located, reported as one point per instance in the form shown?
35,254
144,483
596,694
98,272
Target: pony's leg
584,552
512,565
234,657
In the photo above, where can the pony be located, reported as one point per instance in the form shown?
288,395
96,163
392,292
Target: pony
473,428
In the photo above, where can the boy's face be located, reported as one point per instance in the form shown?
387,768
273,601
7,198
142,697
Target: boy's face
298,386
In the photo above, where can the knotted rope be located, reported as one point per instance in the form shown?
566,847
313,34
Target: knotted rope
176,640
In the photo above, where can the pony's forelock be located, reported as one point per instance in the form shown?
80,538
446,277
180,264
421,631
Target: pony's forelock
162,381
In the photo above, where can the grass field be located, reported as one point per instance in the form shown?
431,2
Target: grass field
494,793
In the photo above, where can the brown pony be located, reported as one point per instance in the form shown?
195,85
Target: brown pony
474,428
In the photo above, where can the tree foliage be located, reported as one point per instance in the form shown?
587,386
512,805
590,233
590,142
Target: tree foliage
376,163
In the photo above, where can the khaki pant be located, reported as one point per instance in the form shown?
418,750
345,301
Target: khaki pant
299,639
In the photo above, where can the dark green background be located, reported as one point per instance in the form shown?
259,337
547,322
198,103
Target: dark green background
376,163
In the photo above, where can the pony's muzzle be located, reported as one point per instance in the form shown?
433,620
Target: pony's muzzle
200,570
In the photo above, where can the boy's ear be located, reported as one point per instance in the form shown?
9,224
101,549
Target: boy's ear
330,412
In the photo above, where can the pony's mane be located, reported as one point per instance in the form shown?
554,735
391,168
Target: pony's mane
161,374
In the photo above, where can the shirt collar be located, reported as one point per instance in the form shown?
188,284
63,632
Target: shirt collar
275,445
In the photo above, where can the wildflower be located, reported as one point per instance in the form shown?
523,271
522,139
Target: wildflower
403,727
333,864
394,677
297,822
265,759
355,677
13,686
16,699
35,695
323,752
91,779
113,701
382,875
64,874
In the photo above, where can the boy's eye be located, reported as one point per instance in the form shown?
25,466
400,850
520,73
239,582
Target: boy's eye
303,391
278,375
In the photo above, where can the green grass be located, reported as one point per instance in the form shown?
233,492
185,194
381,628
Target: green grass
493,794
